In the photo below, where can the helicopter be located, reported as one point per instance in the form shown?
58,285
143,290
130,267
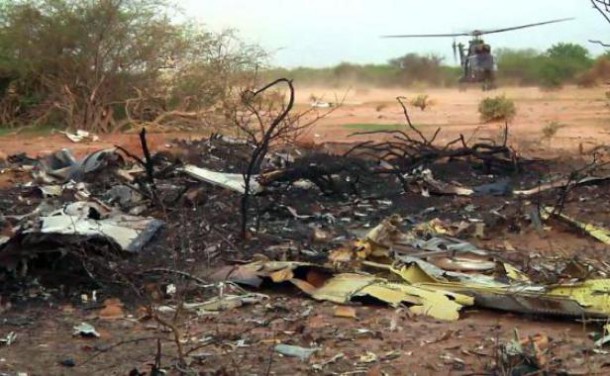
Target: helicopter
477,62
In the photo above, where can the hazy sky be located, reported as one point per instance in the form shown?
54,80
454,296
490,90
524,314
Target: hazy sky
327,32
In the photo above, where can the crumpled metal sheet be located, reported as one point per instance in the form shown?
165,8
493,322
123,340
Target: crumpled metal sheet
62,166
414,270
536,304
87,219
252,274
599,233
234,182
343,288
321,284
81,135
593,294
123,195
427,289
590,297
443,243
464,263
504,288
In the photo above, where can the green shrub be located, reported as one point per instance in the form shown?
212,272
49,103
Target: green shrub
550,130
518,67
552,75
561,64
497,108
421,101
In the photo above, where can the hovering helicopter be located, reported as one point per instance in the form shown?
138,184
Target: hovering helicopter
478,64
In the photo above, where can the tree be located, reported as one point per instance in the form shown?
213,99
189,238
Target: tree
574,53
420,68
563,62
345,72
78,62
519,66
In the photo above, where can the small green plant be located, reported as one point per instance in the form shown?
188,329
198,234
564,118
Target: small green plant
550,130
497,108
421,101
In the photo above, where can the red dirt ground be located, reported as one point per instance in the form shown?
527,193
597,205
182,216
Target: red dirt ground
583,113
416,346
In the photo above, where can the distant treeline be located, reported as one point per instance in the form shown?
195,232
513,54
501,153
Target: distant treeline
563,63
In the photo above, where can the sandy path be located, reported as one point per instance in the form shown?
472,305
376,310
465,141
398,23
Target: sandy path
584,114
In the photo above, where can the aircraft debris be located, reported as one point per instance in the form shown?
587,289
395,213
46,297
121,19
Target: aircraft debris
62,166
235,182
8,339
81,135
88,219
85,330
295,351
601,234
335,239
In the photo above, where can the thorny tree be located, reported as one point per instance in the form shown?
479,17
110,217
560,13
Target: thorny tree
263,117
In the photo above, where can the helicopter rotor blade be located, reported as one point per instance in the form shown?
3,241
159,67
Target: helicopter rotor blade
476,33
492,31
426,35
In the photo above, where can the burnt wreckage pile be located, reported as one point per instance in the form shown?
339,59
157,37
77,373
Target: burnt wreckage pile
403,221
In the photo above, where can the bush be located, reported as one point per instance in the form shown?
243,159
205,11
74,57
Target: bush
561,64
518,67
550,130
586,80
497,108
599,72
84,62
550,75
409,70
422,101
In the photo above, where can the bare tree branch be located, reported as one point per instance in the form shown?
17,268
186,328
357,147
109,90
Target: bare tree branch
603,7
406,153
261,148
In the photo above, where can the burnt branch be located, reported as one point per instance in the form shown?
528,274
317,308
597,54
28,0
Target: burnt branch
262,147
573,181
406,153
148,162
408,118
